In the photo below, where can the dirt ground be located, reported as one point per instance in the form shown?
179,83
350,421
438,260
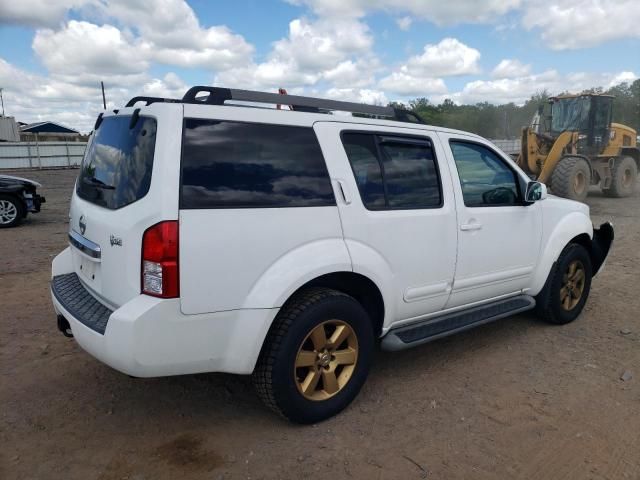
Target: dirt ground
516,399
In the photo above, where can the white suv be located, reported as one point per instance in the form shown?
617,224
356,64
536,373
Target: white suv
211,235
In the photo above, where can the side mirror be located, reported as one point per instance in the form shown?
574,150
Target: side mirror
536,191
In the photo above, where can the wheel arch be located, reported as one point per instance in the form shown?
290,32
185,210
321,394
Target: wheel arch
575,227
14,193
356,285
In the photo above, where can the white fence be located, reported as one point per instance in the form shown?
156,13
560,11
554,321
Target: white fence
41,154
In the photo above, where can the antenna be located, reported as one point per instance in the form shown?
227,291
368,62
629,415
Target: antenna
104,101
2,101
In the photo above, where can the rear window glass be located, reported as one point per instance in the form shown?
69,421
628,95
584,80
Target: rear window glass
116,170
250,165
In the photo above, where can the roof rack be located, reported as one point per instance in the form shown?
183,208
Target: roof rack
218,96
150,100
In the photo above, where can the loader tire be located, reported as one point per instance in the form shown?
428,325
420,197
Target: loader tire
571,178
624,176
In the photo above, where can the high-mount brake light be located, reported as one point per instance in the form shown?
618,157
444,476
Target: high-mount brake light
160,270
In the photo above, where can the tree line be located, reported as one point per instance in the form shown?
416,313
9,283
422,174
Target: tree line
506,121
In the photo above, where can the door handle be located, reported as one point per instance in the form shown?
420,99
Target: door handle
344,191
467,227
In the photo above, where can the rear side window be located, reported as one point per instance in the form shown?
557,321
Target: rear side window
116,169
250,165
393,172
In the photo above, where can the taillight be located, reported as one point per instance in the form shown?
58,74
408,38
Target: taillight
159,270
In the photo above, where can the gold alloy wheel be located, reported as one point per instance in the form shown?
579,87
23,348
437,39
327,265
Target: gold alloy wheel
579,183
326,360
572,285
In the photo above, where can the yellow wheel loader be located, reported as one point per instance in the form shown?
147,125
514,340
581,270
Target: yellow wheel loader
577,146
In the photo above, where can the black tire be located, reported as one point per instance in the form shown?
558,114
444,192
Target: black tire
624,176
549,304
571,178
275,374
12,211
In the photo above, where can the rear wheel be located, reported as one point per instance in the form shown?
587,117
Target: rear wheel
567,289
316,356
11,211
624,176
571,178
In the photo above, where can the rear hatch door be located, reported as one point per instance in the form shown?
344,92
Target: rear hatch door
128,181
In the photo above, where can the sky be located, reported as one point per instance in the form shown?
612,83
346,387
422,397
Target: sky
54,53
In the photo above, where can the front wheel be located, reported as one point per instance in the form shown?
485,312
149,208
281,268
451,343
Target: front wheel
11,211
316,357
567,289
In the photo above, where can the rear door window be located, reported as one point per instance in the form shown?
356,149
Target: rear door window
393,172
116,169
229,164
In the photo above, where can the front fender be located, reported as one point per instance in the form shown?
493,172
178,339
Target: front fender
571,226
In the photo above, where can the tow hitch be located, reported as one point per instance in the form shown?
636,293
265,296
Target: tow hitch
64,327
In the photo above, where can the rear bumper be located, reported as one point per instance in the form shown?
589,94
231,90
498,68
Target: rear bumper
600,245
150,337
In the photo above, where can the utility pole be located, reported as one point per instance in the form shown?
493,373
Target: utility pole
2,101
104,101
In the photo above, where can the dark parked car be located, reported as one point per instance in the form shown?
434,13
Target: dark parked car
18,197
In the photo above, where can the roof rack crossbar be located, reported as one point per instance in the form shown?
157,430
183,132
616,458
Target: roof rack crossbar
217,96
149,100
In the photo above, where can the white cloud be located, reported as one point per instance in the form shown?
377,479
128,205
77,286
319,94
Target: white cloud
336,51
359,73
510,68
323,43
622,77
170,86
437,11
404,23
506,90
221,49
330,53
37,13
573,24
32,98
81,47
407,85
374,97
171,34
449,57
520,89
420,74
564,24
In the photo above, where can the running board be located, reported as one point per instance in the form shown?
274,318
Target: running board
427,330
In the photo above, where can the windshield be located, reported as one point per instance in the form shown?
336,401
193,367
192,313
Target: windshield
116,170
570,114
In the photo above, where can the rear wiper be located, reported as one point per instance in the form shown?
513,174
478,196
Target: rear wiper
94,182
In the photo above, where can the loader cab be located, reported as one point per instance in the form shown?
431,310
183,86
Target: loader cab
589,115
